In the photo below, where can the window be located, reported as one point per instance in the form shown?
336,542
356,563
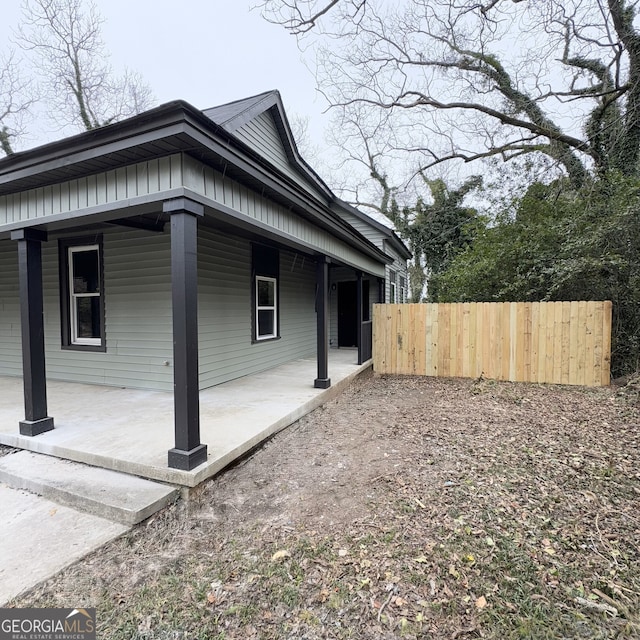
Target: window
266,308
392,287
266,272
403,289
82,299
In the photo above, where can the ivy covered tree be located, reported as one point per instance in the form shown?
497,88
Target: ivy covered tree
441,81
562,245
436,227
436,231
418,84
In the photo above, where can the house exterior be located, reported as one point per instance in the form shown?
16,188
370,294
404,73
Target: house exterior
178,250
393,288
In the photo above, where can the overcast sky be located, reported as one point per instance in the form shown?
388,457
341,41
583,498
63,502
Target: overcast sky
206,52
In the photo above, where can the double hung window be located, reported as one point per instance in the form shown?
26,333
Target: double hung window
266,307
266,303
403,289
82,295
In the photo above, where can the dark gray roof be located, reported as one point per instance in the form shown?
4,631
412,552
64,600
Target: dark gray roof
170,128
393,238
233,115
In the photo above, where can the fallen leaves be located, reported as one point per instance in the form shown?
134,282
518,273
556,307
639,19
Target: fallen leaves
487,518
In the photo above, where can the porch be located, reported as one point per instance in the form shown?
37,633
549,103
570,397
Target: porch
131,430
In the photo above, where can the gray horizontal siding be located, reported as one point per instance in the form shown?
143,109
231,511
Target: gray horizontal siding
137,289
375,236
10,347
399,265
262,135
367,230
225,299
138,324
224,318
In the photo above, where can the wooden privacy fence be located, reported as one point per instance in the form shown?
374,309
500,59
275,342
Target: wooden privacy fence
554,342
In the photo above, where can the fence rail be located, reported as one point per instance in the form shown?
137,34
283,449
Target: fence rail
552,342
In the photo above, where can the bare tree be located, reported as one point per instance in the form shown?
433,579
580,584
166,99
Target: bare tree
301,16
76,78
15,101
306,147
467,80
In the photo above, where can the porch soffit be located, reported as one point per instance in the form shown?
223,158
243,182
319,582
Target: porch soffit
146,212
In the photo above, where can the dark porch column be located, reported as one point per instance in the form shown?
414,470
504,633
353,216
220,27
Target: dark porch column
32,326
322,309
359,316
188,452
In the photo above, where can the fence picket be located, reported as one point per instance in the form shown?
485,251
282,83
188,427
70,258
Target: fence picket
550,342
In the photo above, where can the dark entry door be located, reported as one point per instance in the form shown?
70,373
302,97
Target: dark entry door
347,314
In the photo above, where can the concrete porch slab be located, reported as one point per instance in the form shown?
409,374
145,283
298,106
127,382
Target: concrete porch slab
131,430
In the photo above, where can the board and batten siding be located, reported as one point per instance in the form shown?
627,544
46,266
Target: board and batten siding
262,135
212,184
77,197
10,346
109,187
225,294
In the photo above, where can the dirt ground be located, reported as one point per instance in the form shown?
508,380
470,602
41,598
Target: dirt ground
406,508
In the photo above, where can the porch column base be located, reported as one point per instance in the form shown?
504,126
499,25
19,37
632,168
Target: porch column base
322,383
35,427
187,460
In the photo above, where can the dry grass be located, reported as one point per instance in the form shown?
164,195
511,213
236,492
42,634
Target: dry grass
406,508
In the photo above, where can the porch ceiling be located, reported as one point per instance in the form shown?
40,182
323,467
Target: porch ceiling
131,430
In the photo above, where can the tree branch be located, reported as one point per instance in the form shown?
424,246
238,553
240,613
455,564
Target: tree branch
299,24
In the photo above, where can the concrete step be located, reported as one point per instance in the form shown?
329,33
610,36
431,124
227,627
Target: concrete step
115,496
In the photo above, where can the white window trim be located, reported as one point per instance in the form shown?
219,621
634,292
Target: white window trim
273,308
73,316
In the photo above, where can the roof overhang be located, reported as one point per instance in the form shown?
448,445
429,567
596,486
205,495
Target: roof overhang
175,127
390,235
